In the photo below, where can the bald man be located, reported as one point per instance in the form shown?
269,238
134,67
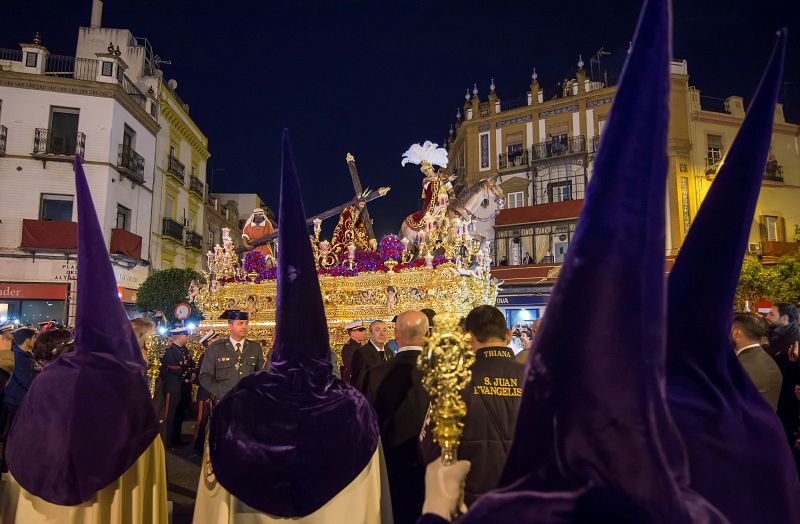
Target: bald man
395,390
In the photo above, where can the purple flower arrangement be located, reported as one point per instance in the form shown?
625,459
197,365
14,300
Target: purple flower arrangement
390,247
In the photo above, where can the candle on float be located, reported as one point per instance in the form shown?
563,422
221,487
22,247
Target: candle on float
405,244
351,251
429,260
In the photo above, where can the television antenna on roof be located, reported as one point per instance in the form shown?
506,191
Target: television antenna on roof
596,59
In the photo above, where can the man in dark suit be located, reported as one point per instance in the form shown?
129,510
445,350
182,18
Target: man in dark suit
357,333
394,388
370,354
228,360
177,370
746,332
492,398
783,335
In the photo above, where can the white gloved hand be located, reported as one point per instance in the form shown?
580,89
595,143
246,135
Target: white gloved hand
444,486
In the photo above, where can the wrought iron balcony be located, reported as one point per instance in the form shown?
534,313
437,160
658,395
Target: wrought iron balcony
595,144
133,92
773,171
3,138
71,67
194,240
514,159
47,144
557,147
712,166
176,169
172,228
196,186
131,162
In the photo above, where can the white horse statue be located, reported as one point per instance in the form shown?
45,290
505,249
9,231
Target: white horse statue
478,203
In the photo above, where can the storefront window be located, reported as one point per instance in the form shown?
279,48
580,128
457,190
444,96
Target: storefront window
35,311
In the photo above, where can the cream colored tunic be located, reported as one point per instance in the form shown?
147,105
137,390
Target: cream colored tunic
139,496
364,501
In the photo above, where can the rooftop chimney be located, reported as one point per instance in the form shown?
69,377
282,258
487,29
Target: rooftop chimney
97,13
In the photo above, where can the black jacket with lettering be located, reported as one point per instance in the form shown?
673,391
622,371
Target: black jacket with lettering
492,399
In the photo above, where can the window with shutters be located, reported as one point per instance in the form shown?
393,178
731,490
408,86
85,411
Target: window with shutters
773,228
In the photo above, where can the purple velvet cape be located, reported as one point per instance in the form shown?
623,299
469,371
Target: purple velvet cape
287,440
87,416
738,455
588,441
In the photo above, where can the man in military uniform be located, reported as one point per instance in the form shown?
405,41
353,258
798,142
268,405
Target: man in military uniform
228,360
357,332
492,399
203,397
178,371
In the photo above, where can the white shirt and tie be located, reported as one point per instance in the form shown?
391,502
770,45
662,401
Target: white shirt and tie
237,345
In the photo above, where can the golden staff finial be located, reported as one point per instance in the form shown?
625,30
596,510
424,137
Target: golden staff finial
445,363
156,347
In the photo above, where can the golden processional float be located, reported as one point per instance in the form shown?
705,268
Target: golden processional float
442,266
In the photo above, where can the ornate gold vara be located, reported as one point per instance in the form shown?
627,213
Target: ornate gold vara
445,363
156,347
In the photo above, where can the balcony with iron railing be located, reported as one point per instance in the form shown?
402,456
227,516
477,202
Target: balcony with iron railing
176,169
513,159
558,147
133,92
3,139
131,163
712,166
71,67
773,171
211,200
196,186
194,240
50,145
595,144
76,68
172,228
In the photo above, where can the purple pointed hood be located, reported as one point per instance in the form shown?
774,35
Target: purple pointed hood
288,440
56,449
734,434
588,441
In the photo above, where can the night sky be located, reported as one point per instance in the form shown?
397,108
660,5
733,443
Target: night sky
371,78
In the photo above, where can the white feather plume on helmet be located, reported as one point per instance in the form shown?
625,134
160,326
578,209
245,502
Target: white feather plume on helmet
429,151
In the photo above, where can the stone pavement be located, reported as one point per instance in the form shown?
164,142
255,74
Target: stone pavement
183,471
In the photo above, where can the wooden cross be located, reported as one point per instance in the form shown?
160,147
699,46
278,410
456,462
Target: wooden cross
361,196
351,164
